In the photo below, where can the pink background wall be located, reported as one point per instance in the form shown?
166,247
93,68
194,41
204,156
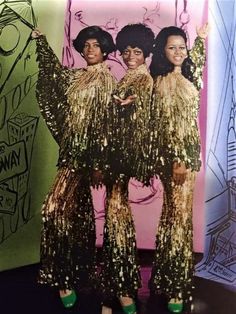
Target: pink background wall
112,16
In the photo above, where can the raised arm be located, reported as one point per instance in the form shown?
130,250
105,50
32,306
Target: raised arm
53,81
198,54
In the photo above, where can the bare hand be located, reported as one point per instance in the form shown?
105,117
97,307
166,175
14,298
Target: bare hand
36,33
179,173
123,102
97,177
203,31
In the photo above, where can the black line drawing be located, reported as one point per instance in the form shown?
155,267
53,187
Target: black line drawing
219,261
112,25
17,127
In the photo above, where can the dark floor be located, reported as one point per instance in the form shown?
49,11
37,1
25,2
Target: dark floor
19,293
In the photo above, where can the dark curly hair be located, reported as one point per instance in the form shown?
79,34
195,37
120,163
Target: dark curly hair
135,35
160,65
104,39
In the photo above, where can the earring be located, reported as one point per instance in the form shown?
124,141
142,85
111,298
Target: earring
82,54
104,54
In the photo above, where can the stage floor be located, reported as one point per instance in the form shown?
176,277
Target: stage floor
20,293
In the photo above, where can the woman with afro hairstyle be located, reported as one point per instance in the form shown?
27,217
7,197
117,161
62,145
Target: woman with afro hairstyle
129,118
74,104
175,137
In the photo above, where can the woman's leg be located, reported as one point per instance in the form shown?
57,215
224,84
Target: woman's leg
120,272
68,235
172,272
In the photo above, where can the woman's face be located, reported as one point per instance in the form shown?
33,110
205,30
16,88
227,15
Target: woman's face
176,50
92,52
133,57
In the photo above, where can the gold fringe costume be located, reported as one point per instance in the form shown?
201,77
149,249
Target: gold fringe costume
176,137
74,104
129,124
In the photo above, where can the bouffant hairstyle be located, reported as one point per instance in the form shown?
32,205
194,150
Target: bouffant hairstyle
104,39
135,35
160,65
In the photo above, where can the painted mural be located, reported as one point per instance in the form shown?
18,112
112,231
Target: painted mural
27,152
18,126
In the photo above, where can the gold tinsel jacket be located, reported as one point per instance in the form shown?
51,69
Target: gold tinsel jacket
74,104
130,131
174,121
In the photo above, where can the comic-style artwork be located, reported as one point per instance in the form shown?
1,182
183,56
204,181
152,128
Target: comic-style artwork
18,124
219,261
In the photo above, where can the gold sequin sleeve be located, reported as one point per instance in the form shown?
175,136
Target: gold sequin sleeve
198,56
53,81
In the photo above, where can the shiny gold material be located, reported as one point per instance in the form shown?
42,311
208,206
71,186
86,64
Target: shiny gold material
173,265
74,104
176,138
120,271
129,145
68,234
130,126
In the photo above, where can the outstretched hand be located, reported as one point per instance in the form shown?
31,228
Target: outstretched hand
36,33
203,31
123,102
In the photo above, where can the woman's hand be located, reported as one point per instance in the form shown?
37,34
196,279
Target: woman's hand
97,177
123,102
203,31
36,33
179,173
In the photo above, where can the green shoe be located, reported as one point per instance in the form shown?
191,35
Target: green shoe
175,307
69,300
129,309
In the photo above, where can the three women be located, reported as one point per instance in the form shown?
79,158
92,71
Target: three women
165,141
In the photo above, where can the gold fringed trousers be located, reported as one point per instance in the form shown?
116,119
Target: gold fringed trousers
172,272
119,271
68,233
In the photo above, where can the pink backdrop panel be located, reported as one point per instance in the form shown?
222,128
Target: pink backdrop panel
112,16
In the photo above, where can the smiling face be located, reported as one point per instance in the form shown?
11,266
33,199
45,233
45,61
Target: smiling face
176,51
133,57
92,52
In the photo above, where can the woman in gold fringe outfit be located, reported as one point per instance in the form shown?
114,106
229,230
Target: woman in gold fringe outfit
176,149
129,150
74,104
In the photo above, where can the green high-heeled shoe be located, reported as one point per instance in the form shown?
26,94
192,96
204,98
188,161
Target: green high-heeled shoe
69,300
175,306
129,309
